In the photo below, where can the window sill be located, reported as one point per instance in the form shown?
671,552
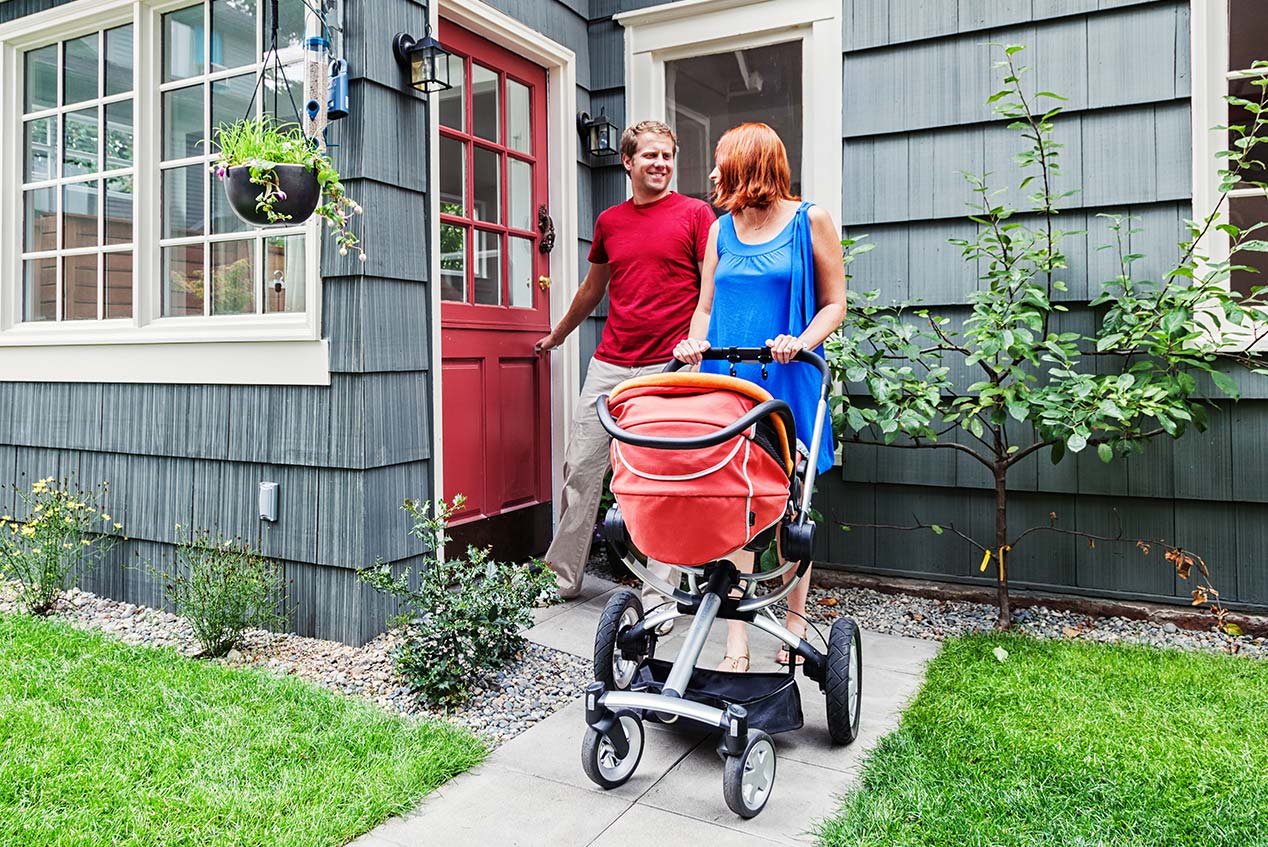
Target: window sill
192,330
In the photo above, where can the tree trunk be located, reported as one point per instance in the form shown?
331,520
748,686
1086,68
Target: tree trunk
1005,619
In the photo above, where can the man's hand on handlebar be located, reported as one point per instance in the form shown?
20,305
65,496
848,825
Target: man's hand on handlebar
689,349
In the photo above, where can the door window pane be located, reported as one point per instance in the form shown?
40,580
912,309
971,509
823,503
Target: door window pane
519,176
39,290
522,280
518,122
1240,116
1245,212
284,274
1247,33
40,78
40,146
183,194
451,99
119,137
79,143
79,215
453,262
484,102
488,267
80,61
233,278
707,95
183,43
486,199
118,285
233,33
39,215
183,280
118,60
118,208
453,177
79,288
182,122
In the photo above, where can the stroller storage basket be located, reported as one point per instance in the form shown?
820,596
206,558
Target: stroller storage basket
772,699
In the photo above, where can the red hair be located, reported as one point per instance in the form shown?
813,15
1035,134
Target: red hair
752,168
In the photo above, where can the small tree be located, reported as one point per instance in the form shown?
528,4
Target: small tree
1156,336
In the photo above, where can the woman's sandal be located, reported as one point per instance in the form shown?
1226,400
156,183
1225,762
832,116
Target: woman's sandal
731,663
781,658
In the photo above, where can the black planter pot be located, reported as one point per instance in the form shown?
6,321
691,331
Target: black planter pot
298,182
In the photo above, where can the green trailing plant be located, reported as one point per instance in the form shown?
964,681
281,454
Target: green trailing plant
460,618
65,532
1133,378
260,145
223,587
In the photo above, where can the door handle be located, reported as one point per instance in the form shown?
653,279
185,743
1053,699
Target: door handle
547,229
543,282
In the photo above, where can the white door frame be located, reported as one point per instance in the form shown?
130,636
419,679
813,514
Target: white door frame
561,163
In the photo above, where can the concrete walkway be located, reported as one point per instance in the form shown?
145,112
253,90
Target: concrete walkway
532,790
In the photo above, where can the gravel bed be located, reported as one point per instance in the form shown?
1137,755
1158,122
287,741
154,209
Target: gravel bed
541,682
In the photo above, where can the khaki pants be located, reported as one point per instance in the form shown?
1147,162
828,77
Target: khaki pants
585,463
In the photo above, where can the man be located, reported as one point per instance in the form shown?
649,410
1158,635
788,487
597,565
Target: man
646,254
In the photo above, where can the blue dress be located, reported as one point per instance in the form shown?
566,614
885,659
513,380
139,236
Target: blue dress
761,291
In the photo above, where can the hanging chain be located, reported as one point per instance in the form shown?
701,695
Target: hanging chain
272,54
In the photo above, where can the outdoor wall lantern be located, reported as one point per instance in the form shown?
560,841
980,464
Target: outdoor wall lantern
598,134
428,62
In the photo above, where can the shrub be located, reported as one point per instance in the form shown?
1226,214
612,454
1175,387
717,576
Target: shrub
463,621
223,588
64,534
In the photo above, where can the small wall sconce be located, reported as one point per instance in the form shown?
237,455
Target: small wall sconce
598,133
427,60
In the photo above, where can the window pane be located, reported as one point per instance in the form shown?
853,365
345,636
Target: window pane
290,26
522,277
1244,212
118,210
284,274
1247,33
222,217
484,102
280,104
488,267
79,288
183,43
39,290
40,145
233,277
183,193
232,34
519,176
453,176
706,95
183,280
118,291
518,123
451,99
119,137
229,99
79,215
41,78
183,122
453,262
1239,116
486,195
39,230
80,59
118,60
79,143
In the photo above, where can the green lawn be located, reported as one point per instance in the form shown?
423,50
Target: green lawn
106,744
1072,745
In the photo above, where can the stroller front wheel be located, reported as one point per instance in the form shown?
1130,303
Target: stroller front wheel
599,757
843,681
615,670
747,779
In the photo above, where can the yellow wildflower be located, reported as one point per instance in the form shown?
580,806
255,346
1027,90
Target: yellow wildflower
36,551
28,531
84,541
118,526
178,526
67,545
104,516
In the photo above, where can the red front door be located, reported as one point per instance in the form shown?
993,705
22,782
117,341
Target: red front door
494,280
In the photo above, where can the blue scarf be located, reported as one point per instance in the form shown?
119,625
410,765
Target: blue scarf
802,305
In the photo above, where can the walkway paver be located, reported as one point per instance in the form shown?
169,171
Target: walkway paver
532,790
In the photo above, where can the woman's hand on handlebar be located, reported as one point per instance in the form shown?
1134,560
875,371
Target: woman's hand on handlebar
784,348
689,349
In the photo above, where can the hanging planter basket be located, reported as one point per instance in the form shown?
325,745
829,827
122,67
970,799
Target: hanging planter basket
297,183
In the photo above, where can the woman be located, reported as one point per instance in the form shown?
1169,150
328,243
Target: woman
773,275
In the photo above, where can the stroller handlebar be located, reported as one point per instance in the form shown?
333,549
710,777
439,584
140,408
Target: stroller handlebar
756,354
752,416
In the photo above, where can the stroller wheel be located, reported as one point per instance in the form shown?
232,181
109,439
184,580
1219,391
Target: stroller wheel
747,779
615,671
843,682
605,767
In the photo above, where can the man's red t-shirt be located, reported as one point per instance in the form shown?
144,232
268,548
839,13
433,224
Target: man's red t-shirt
654,253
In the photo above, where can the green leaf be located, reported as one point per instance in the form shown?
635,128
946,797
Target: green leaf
1226,384
936,529
1076,442
1106,452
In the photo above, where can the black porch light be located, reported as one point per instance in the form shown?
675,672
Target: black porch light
427,60
598,134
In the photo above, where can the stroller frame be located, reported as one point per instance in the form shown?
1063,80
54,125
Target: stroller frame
615,714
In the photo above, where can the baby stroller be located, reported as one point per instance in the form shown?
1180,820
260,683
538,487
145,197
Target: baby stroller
705,464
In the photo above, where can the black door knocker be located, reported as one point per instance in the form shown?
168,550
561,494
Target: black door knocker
547,228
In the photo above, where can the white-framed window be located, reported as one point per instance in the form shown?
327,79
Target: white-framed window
704,66
113,230
1228,36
